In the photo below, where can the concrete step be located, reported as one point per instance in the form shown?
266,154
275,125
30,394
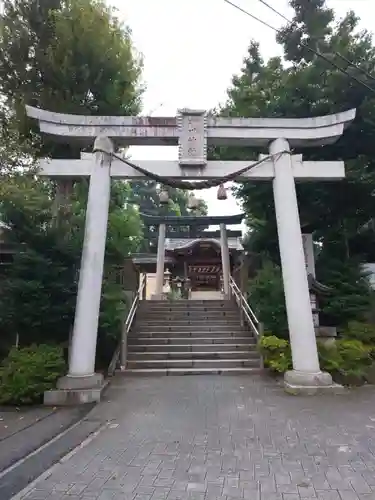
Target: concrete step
152,372
187,315
186,302
193,363
191,355
190,338
185,310
206,326
184,340
189,320
190,348
236,354
187,306
188,326
183,332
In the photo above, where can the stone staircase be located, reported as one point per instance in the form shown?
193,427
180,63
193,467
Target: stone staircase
189,337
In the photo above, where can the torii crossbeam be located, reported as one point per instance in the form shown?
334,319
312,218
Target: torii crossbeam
193,131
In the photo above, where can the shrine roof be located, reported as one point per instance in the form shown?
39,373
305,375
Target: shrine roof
187,220
172,244
318,287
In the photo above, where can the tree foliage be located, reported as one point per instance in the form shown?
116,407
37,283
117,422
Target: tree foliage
266,295
70,56
145,195
350,298
28,372
305,86
42,281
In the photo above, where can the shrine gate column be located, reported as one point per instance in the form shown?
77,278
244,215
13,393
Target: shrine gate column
160,263
306,369
225,259
81,373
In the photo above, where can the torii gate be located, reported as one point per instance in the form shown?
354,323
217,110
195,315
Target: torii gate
193,131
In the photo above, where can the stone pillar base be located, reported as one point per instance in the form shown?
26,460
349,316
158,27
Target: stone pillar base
309,384
72,391
85,382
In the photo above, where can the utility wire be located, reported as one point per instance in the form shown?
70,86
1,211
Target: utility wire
335,52
317,53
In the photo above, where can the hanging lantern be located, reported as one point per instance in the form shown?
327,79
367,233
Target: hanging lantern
164,197
222,193
193,202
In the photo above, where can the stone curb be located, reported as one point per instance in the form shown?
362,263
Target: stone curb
38,447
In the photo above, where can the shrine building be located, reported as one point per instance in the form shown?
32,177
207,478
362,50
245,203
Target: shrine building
192,253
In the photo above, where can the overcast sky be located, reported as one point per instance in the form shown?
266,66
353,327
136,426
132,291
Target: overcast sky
191,49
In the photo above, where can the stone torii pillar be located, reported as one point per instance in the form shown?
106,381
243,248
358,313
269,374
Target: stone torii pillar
193,131
306,370
308,250
81,375
225,259
160,263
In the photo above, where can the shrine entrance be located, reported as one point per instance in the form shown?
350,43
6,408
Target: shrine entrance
205,278
201,261
190,252
194,131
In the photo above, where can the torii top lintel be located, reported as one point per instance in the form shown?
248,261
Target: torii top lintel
193,130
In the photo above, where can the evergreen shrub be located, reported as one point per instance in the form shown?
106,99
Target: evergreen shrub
28,372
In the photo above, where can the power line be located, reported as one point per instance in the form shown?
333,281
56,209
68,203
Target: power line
275,11
317,53
251,15
355,66
335,52
160,105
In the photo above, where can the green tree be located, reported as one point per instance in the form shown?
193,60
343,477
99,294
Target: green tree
38,289
311,25
145,195
310,86
267,297
38,292
350,299
71,56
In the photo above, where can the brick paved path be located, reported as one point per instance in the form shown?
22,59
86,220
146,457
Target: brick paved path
213,437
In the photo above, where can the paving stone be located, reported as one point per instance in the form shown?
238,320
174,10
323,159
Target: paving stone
177,495
290,496
221,438
348,495
359,485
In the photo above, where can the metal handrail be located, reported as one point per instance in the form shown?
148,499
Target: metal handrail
121,349
245,308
